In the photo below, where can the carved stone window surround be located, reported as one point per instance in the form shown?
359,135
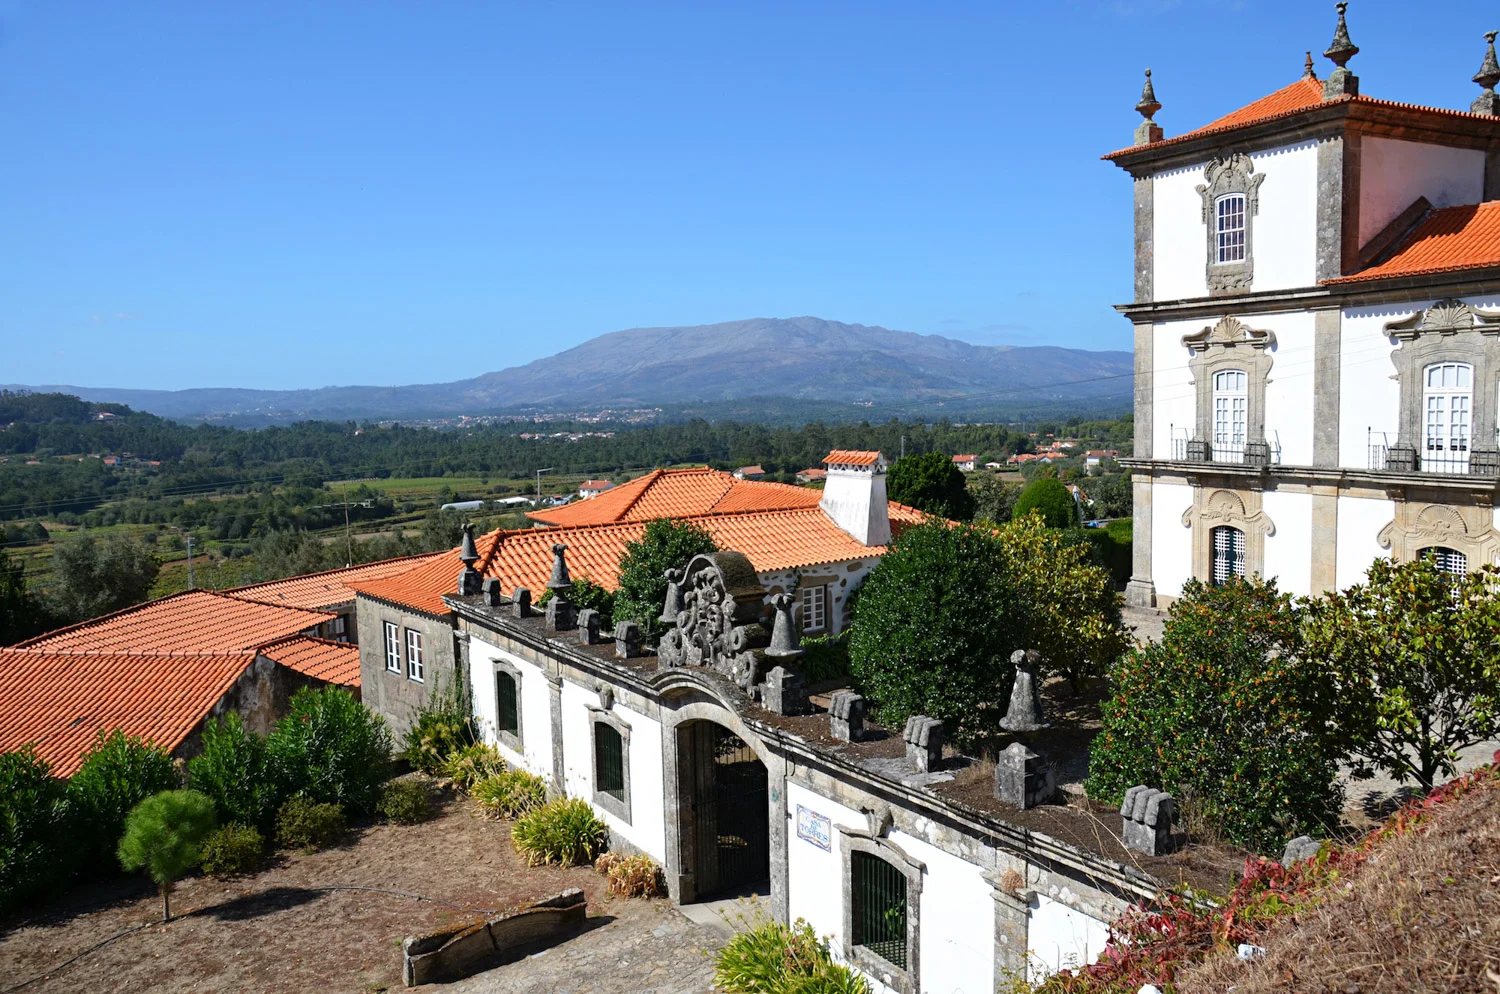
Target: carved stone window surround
852,841
512,740
1242,509
1230,344
619,807
1469,529
1230,173
1448,331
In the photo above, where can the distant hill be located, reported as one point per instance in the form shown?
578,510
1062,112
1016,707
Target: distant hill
804,359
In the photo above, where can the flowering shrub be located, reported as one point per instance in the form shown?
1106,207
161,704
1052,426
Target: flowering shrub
1152,945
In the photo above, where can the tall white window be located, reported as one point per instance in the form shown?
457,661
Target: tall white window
1230,407
1447,560
814,609
1447,405
392,647
1229,222
414,655
1229,554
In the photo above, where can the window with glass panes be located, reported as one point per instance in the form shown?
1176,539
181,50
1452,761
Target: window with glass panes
507,703
414,655
1230,227
1230,405
878,891
814,608
1447,560
1228,553
392,647
1447,403
609,761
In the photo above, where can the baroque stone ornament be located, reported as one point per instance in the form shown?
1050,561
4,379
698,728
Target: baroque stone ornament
1148,131
1225,174
1025,714
1446,317
718,625
1487,76
786,644
1230,333
1464,528
1341,82
469,579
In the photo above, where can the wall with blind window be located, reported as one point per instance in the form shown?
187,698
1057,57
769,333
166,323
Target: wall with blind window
1180,242
533,699
1174,399
1171,543
1369,395
1360,522
1289,551
1285,236
958,920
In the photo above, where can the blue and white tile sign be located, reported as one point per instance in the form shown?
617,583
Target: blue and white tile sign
815,828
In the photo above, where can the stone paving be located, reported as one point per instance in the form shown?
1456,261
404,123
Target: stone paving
633,947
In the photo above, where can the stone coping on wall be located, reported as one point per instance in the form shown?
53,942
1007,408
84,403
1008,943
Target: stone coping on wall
1079,833
461,951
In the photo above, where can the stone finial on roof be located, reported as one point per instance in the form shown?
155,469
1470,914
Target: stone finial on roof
491,590
1148,131
1487,76
785,643
1307,68
560,580
1024,778
1341,82
627,639
673,606
1025,713
924,743
469,580
846,716
467,554
783,692
520,603
1147,820
588,626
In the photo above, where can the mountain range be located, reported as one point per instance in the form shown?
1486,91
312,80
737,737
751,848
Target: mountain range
803,359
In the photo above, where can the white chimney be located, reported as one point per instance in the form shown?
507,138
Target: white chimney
854,495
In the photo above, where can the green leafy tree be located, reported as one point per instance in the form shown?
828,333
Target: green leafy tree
1415,655
332,749
994,498
21,615
642,588
1113,496
930,482
118,773
1051,499
1226,713
33,821
163,836
91,577
236,772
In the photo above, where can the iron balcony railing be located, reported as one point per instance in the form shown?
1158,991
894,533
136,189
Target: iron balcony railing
1266,452
1433,455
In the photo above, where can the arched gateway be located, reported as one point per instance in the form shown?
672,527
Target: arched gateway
724,824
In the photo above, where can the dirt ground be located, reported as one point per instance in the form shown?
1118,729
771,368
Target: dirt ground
277,931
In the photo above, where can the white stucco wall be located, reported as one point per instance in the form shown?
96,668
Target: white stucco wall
1369,396
1289,386
958,921
646,829
535,703
1289,551
846,578
1394,173
1360,521
1059,936
1173,398
1283,232
1171,543
815,885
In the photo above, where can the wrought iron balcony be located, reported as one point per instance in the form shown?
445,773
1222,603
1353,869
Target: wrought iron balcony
1266,452
1433,455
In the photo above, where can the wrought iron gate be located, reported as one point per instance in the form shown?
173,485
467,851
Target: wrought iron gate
731,833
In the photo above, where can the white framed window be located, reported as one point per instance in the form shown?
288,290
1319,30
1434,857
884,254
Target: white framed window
413,655
1231,404
1229,227
1228,554
814,609
1448,560
392,647
1447,411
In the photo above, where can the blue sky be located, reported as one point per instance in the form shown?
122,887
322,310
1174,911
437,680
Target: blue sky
279,194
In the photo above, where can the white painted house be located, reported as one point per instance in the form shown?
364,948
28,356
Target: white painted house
1317,335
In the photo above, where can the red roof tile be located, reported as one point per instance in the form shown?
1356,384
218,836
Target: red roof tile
60,701
321,659
1446,240
851,457
678,493
323,590
193,621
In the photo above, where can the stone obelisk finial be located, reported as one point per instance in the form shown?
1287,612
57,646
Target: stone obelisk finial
1487,76
1307,68
1341,82
1148,131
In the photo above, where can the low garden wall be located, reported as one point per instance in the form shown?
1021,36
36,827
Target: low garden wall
454,953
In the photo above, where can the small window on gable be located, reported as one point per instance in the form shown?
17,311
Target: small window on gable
878,893
609,761
392,647
507,703
1229,217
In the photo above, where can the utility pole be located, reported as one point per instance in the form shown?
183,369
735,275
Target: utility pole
190,561
539,482
348,542
903,446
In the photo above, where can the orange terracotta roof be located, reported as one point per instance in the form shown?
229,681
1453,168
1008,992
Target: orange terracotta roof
321,659
1446,240
964,458
678,493
851,457
1289,101
323,590
771,540
193,621
60,701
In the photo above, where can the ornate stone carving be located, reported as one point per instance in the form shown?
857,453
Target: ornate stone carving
1469,529
1226,173
1148,131
1229,333
1025,713
1446,317
1237,509
1448,331
719,624
1229,344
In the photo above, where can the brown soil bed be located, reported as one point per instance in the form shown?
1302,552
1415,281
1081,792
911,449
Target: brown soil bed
276,931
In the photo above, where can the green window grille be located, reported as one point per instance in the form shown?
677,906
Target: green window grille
609,761
879,894
507,707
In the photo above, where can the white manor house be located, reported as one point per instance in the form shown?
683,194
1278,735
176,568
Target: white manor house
1317,335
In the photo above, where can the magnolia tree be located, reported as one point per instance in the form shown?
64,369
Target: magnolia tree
642,588
1414,655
